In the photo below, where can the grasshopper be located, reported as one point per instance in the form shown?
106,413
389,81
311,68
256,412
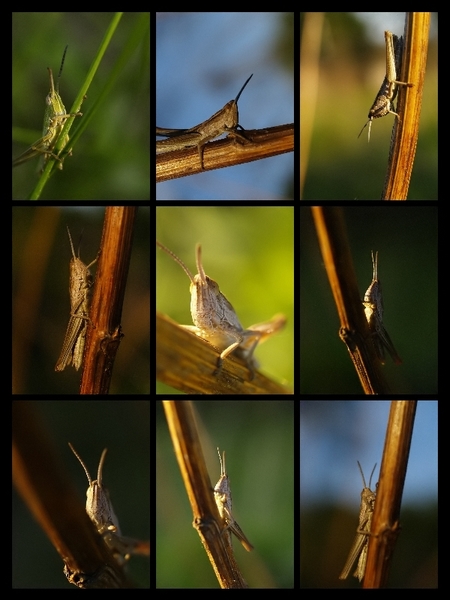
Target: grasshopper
80,297
100,510
216,321
54,118
224,120
222,496
373,310
360,545
386,95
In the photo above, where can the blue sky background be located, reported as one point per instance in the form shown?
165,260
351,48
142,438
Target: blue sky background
334,435
202,61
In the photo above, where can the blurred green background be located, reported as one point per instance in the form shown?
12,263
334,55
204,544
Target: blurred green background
249,253
111,160
258,438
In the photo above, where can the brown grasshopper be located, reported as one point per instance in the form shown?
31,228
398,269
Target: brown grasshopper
373,309
224,120
222,496
358,551
80,284
100,510
216,321
383,103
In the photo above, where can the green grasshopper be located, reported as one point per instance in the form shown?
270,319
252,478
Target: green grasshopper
54,119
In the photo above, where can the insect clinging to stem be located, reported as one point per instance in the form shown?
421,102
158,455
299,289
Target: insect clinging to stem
80,284
383,103
225,120
373,309
100,510
360,544
55,117
222,496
